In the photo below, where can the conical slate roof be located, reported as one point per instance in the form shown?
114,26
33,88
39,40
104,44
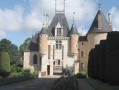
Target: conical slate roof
43,31
103,22
73,30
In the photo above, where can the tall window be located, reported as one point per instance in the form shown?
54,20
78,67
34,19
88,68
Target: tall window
58,62
48,51
54,63
58,31
35,59
40,61
58,44
82,66
82,53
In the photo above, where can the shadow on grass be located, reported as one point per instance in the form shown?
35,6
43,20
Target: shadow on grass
99,85
34,84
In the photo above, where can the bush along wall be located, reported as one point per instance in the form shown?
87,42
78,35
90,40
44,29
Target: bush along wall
103,61
17,77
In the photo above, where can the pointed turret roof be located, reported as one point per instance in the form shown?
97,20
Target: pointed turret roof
73,30
100,23
43,31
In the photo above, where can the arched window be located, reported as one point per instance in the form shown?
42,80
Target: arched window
58,62
35,59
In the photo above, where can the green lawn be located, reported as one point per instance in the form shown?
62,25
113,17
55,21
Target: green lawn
98,85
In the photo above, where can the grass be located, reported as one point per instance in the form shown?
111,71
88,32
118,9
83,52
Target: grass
99,85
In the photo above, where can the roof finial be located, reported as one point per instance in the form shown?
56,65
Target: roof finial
73,17
99,6
64,6
55,6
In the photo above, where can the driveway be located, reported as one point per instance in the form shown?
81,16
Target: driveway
35,84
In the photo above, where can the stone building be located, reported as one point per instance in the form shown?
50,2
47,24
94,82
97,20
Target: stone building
57,46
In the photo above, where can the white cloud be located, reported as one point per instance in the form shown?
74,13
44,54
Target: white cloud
84,9
11,19
2,35
115,18
82,30
18,20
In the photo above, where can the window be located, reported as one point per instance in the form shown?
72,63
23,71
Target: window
58,31
58,44
82,66
54,63
58,62
35,59
40,61
82,53
48,51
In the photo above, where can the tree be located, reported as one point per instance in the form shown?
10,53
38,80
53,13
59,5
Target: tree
23,46
4,64
12,49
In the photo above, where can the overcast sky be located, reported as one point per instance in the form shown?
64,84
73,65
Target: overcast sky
19,18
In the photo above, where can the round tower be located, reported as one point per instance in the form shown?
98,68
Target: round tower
98,30
43,40
73,40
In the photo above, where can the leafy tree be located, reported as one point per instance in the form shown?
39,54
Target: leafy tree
5,45
23,46
12,49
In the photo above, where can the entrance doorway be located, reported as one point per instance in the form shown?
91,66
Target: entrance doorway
48,69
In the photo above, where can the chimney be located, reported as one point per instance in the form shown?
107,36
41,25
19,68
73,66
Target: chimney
99,20
109,19
47,21
99,17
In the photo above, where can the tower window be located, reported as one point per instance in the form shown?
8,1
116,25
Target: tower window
58,31
82,66
35,59
58,44
82,53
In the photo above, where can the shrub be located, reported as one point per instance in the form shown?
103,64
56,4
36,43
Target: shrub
4,64
68,83
81,74
15,68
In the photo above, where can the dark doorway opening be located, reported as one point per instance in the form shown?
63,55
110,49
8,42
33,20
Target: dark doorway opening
48,69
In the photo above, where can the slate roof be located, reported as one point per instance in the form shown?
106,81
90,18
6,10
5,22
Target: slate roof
34,44
104,24
43,31
73,30
63,21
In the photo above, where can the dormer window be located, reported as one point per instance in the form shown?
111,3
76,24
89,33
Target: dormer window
58,31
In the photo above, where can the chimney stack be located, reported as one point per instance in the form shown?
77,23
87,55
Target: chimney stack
47,21
109,19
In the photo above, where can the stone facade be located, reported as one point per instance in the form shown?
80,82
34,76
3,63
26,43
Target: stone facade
56,46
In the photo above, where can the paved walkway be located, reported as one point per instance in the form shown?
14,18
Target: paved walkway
83,85
35,84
